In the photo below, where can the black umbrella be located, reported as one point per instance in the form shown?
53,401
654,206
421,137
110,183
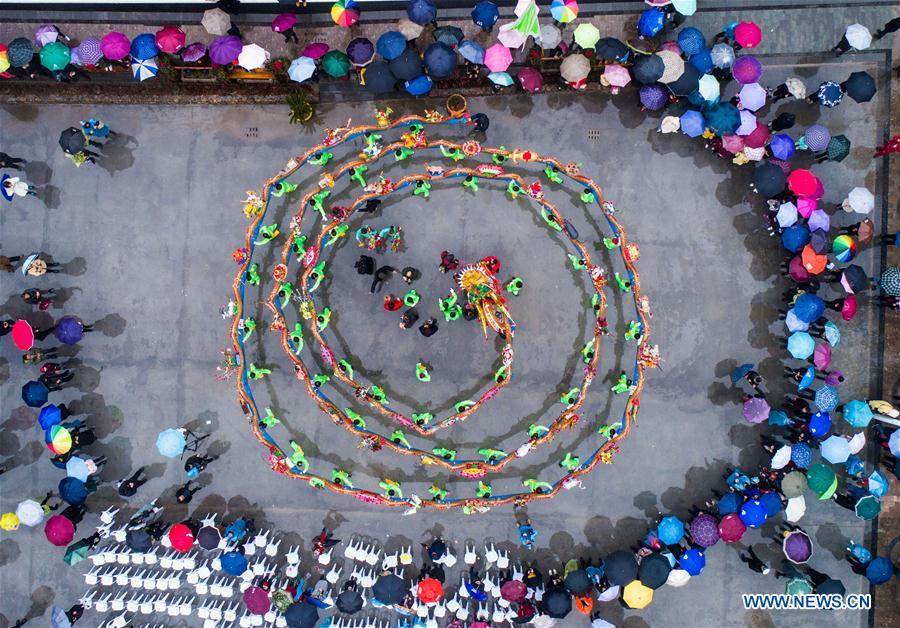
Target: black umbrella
450,35
138,540
855,279
769,179
860,86
578,582
71,140
557,603
611,49
349,602
621,567
407,66
301,615
819,241
648,69
831,586
389,589
379,78
437,549
687,82
208,537
654,570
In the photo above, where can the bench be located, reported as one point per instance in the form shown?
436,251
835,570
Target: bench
255,75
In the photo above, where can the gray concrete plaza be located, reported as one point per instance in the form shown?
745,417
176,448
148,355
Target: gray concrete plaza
146,239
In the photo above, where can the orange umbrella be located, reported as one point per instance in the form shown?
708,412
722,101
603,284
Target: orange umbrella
812,261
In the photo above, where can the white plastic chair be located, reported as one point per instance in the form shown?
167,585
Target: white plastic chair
498,616
367,578
215,613
463,591
325,557
109,515
490,554
259,568
173,608
150,582
453,603
165,561
245,621
146,606
122,577
151,557
249,548
261,539
98,559
177,563
448,559
203,612
202,587
102,603
137,580
118,622
120,534
165,541
123,557
117,604
227,589
373,556
208,520
293,555
272,548
174,582
390,561
333,574
350,550
470,556
269,616
280,622
87,600
462,613
229,613
440,610
91,577
291,570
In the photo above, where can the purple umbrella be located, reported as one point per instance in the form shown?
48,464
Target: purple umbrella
797,547
360,51
115,46
753,96
817,137
315,50
69,330
756,410
193,52
89,51
653,97
705,530
225,49
782,146
45,34
284,22
747,125
819,220
747,70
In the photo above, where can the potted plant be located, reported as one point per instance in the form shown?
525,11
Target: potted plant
302,110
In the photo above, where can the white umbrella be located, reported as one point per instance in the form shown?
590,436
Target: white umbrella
858,36
550,36
301,69
575,68
795,509
253,56
709,87
857,442
543,621
673,64
216,21
512,38
599,622
861,200
610,594
678,578
670,124
796,88
30,513
685,7
409,29
782,457
142,70
754,154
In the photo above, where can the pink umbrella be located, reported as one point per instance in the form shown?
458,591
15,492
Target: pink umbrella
671,46
748,34
170,39
59,530
848,310
733,143
115,46
497,58
806,206
257,600
315,50
45,34
531,80
617,75
759,137
731,528
797,270
756,410
822,356
284,22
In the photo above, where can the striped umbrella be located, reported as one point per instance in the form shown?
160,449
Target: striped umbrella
817,137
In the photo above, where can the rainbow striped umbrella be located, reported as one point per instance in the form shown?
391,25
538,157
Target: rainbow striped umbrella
345,13
844,248
564,11
58,439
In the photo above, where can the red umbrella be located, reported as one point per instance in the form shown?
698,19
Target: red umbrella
23,335
812,261
802,182
822,356
797,271
747,34
758,137
181,537
170,39
848,311
257,600
531,80
731,528
429,590
59,530
514,591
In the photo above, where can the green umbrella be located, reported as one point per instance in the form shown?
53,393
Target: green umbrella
868,507
793,484
55,56
838,148
336,63
798,586
77,552
822,480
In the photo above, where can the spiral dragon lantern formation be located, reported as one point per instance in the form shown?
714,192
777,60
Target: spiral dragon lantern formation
294,313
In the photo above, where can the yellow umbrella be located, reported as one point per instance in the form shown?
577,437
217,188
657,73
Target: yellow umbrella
587,35
4,61
9,521
637,595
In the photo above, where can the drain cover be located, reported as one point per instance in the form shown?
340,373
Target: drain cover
593,134
252,131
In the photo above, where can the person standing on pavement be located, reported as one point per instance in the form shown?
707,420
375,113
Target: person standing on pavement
891,27
185,494
11,163
130,485
195,465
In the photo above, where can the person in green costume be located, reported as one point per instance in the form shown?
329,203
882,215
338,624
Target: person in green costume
267,234
536,486
611,243
513,189
320,380
255,372
587,352
570,462
371,138
358,174
299,245
355,418
452,153
336,234
391,488
587,195
462,406
422,373
298,457
321,158
422,188
622,384
634,331
491,455
569,398
500,374
411,298
471,183
446,454
537,431
249,326
514,286
624,284
269,419
378,394
285,292
341,477
403,153
437,494
297,337
552,173
399,438
252,275
484,490
422,418
323,318
317,201
345,368
550,219
283,187
577,262
317,275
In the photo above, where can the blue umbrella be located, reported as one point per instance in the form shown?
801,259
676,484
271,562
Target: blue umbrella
692,561
855,467
407,66
34,394
730,502
739,373
302,69
827,398
653,97
879,570
233,563
795,237
878,484
753,513
723,118
611,49
670,530
73,491
809,307
702,61
471,51
772,503
69,330
503,79
77,468
485,14
820,424
692,123
648,69
801,345
832,334
144,47
20,52
858,413
391,45
50,415
860,553
651,22
440,59
801,455
421,12
722,55
59,619
419,86
830,94
171,443
378,78
360,51
835,449
691,41
809,376
782,146
778,418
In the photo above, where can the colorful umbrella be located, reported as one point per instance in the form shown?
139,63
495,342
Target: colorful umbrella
827,398
756,410
753,96
59,530
144,47
345,13
419,86
253,57
692,123
877,483
688,83
471,51
142,70
731,528
46,34
844,248
819,424
817,137
9,521
73,491
378,78
746,70
407,66
857,413
782,146
795,509
648,69
724,118
673,66
753,513
564,11
670,530
77,468
58,439
800,345
532,80
449,35
429,590
502,79
801,455
233,563
838,148
879,570
747,34
316,50
798,586
409,29
225,49
497,58
608,48
795,238
421,11
819,220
